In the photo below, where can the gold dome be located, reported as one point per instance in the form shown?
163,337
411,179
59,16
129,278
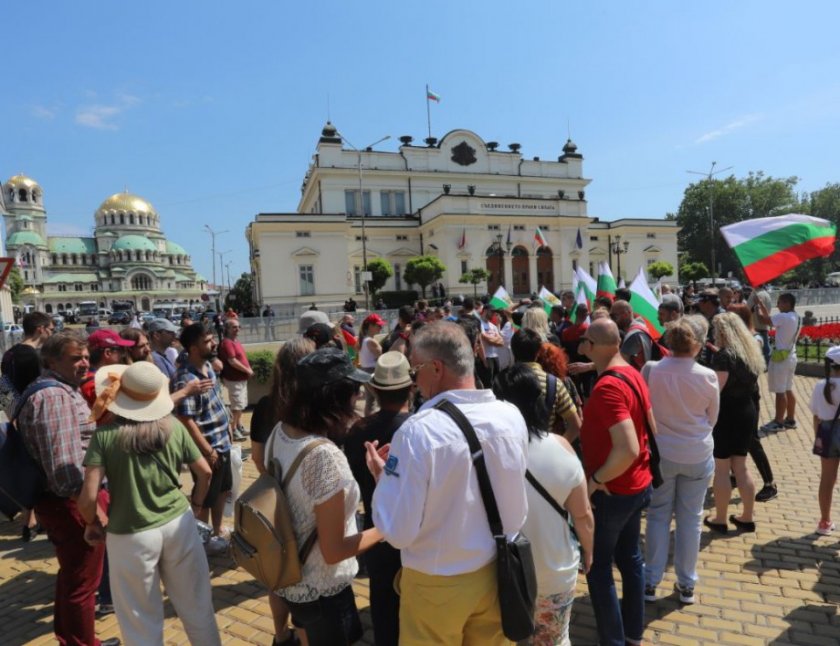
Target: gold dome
126,202
21,181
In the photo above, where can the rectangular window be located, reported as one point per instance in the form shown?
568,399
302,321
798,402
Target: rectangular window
544,227
650,261
518,227
403,238
397,277
357,278
351,202
392,202
593,238
651,235
591,268
574,264
26,274
463,267
303,234
307,280
359,238
79,287
493,227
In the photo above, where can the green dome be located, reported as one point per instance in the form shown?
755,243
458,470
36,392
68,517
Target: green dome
175,249
72,245
134,243
20,238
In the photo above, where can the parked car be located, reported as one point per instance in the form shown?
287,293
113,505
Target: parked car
58,321
120,318
13,332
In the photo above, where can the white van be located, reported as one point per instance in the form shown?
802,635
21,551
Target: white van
833,279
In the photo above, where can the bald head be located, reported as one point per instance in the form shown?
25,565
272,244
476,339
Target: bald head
622,313
604,332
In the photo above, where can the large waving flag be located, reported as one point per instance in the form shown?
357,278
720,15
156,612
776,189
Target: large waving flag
645,304
768,247
549,299
539,239
501,299
581,300
606,282
586,284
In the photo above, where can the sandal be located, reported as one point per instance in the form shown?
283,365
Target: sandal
720,528
743,525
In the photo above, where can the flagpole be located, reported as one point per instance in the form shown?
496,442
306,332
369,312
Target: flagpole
428,112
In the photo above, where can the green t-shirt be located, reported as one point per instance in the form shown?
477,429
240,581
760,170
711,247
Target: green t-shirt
143,495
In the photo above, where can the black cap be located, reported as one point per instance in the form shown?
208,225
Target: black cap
320,333
326,366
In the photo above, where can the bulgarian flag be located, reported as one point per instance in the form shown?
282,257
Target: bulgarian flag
431,96
622,284
549,299
586,284
501,299
580,300
645,304
768,247
606,282
539,239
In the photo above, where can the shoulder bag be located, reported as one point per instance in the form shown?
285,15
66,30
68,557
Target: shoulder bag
827,444
517,578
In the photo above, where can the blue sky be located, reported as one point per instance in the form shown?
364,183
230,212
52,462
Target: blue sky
212,110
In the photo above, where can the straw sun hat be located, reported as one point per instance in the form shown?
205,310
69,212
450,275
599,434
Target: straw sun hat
138,392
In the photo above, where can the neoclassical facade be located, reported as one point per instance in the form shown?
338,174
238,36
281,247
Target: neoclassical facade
461,199
128,258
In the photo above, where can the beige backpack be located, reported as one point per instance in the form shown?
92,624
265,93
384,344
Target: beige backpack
263,540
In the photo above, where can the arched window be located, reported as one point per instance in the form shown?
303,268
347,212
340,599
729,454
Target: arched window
122,218
64,259
131,218
148,255
55,258
113,221
48,308
141,282
75,259
22,195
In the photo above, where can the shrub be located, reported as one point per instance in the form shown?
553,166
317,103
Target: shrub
262,361
395,300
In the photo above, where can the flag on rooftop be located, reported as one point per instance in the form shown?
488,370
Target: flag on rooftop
606,282
645,304
768,247
501,299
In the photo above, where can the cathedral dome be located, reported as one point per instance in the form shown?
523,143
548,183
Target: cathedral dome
21,181
20,238
134,243
126,202
175,249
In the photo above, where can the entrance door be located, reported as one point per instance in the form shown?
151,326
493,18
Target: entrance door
495,266
545,269
521,278
144,303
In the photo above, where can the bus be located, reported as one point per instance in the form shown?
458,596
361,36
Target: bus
88,309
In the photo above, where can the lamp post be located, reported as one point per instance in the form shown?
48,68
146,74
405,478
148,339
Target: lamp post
213,235
710,176
362,208
222,255
497,243
619,248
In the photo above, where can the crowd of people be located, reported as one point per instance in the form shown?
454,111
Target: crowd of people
586,420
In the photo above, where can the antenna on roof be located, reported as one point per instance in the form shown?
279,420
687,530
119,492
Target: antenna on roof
329,115
569,127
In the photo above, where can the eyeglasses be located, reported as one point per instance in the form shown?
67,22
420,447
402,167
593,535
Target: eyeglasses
414,370
585,339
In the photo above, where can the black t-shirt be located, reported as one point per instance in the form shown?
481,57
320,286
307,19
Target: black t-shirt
22,365
262,420
382,427
741,382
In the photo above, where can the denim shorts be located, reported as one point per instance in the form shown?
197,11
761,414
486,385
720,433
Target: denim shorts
329,621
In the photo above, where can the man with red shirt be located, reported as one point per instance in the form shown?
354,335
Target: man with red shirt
107,348
617,463
235,373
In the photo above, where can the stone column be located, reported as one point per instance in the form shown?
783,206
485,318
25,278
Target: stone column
532,272
508,262
558,269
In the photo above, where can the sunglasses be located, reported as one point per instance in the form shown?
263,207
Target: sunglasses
412,373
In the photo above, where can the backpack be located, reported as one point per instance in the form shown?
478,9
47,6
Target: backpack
263,541
657,350
22,480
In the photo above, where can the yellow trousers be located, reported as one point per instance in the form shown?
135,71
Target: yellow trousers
450,610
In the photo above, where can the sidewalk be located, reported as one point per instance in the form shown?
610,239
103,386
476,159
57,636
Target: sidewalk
778,586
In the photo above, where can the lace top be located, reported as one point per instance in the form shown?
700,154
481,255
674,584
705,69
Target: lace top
322,474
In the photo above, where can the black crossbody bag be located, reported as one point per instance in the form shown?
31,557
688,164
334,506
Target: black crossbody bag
517,578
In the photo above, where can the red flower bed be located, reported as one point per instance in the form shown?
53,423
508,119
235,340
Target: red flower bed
814,332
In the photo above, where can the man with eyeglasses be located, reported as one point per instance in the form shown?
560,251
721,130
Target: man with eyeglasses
617,463
427,501
235,374
162,334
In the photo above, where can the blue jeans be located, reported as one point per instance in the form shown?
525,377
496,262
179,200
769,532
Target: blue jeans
618,521
682,494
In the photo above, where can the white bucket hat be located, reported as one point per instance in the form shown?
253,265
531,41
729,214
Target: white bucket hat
833,354
391,372
138,392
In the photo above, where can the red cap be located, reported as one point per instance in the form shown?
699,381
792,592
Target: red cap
108,339
375,319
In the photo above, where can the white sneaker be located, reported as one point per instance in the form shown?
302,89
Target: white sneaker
825,528
216,545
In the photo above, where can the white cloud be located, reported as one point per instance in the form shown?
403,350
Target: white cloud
728,128
103,116
44,112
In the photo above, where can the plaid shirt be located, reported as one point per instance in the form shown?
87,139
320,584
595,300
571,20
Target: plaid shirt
55,429
206,409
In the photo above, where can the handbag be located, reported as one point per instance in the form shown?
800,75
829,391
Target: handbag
517,578
653,447
827,444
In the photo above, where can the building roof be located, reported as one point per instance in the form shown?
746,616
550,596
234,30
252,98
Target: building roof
21,181
20,238
175,249
72,278
134,243
60,244
183,278
126,202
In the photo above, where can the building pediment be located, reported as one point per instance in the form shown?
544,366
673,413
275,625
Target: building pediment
371,253
597,251
652,249
404,252
304,252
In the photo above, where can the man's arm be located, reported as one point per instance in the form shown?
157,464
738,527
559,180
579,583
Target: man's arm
624,451
241,367
50,425
762,313
203,445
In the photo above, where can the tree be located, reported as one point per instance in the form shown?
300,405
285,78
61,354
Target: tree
754,196
423,271
659,269
380,270
16,284
474,277
692,271
241,295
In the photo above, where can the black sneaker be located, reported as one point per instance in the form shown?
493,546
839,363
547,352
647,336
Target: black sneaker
686,594
789,423
650,593
104,609
768,492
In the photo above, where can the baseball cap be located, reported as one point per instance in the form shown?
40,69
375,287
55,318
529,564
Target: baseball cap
162,325
326,366
310,318
375,319
102,339
833,354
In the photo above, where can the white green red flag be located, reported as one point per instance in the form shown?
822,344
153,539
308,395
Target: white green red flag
501,299
539,239
580,299
606,282
549,299
768,247
622,284
431,96
645,304
586,284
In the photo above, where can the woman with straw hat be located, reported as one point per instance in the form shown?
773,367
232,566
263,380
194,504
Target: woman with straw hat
151,532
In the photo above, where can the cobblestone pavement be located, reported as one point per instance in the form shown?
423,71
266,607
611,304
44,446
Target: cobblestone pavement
778,586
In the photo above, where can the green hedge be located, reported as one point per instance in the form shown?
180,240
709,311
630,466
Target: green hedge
262,362
395,300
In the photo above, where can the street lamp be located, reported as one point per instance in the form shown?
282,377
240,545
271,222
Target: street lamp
213,235
222,255
619,248
362,208
501,253
709,176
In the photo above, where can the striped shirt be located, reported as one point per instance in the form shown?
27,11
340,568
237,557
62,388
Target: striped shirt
563,404
206,409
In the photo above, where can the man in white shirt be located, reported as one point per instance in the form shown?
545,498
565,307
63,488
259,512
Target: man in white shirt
491,342
782,365
427,501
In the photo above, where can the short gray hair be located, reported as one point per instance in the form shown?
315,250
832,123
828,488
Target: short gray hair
699,325
447,342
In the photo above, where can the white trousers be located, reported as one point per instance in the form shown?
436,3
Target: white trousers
172,554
